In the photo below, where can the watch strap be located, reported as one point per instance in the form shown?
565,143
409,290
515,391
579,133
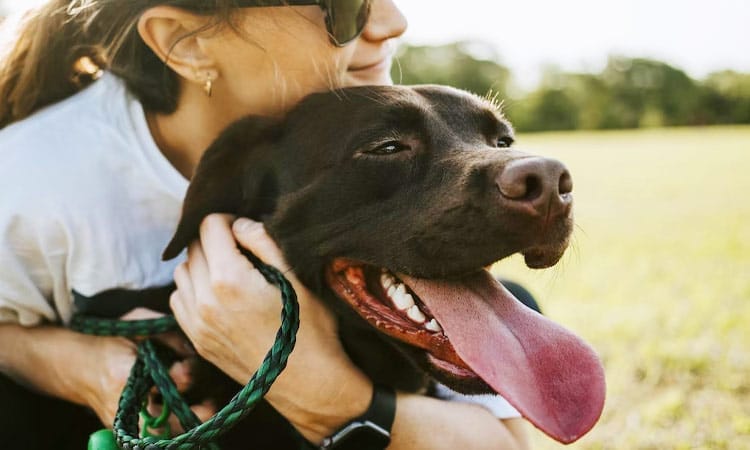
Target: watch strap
377,419
382,409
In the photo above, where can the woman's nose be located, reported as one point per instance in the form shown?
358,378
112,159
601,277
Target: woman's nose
386,21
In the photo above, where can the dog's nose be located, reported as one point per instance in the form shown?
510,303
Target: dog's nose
542,183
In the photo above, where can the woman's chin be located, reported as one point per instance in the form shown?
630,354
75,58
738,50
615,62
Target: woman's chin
370,76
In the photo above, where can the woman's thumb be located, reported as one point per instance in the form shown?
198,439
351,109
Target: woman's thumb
253,236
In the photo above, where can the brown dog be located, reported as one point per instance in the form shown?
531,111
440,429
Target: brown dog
389,202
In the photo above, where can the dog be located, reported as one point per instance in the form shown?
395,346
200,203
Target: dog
389,202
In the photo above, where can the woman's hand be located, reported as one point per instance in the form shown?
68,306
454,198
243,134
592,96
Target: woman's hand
115,357
110,361
231,314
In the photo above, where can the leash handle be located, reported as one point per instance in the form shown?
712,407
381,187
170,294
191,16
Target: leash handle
149,371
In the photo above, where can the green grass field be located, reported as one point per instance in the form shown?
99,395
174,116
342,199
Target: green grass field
658,281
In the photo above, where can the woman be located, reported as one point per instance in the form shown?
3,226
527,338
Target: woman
105,108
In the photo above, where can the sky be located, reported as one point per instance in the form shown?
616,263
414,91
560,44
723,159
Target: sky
696,36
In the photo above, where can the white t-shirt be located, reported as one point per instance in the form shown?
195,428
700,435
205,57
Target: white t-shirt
497,405
87,204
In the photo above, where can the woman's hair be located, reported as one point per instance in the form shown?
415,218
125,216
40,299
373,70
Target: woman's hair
63,46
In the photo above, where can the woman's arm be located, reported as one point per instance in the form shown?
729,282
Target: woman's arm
231,315
83,369
428,423
86,370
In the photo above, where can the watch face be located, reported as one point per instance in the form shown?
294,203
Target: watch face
362,436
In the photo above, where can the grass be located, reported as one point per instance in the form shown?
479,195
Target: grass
658,281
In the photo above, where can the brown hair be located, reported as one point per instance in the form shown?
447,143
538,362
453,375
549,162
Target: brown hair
63,46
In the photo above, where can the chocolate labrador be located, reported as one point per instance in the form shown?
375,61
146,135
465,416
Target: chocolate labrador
389,202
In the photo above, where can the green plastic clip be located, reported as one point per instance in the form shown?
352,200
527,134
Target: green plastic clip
151,423
103,440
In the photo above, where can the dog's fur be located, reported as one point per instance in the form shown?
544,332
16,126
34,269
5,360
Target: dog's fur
326,184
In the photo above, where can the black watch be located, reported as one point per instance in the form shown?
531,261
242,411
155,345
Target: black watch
371,430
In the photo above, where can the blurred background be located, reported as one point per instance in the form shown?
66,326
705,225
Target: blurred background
588,64
648,103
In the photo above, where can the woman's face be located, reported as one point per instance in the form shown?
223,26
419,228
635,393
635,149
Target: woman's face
285,53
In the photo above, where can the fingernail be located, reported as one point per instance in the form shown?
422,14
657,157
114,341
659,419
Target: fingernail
242,224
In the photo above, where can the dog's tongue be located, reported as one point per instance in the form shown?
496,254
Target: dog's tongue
550,375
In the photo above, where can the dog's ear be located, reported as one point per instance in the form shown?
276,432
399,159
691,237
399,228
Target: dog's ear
233,176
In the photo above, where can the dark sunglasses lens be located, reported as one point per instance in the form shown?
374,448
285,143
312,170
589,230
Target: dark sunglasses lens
347,19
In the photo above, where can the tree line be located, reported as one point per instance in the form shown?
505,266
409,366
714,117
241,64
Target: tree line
627,93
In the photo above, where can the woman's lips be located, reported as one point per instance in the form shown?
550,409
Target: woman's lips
376,73
377,66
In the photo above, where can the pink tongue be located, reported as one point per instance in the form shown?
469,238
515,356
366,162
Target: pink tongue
550,375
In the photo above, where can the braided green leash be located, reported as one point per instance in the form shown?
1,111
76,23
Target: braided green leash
149,371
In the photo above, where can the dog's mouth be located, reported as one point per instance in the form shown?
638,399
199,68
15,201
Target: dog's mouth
387,303
473,330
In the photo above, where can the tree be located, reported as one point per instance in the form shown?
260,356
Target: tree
455,65
628,93
726,97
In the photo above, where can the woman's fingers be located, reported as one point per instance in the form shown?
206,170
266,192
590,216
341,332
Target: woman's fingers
183,280
253,236
221,272
221,260
182,374
219,245
179,306
205,410
142,314
192,294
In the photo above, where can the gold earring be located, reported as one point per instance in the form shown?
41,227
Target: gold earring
209,86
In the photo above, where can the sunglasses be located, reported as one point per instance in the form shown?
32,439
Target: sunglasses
345,19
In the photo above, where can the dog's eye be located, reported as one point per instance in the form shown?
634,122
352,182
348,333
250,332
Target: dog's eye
388,148
504,142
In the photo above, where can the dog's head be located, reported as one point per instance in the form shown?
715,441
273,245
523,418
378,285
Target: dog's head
390,201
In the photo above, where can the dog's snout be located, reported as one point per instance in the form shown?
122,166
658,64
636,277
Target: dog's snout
542,183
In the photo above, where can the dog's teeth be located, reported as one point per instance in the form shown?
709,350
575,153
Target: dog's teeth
403,302
386,281
401,299
415,314
432,325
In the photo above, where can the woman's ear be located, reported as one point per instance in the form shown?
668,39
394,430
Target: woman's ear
176,37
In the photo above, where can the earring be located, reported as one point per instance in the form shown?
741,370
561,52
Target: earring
207,77
208,87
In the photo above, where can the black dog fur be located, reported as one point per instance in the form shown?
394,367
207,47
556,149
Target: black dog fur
396,177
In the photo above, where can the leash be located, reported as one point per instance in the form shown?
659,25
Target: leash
149,371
